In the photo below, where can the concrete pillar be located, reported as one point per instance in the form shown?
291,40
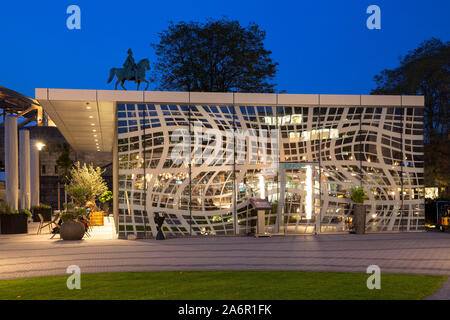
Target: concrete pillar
24,168
34,174
11,162
115,156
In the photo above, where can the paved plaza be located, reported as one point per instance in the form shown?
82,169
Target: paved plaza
419,253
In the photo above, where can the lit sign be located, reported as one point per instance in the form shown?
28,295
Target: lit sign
288,119
314,134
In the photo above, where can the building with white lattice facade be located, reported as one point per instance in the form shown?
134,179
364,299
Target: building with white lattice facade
202,159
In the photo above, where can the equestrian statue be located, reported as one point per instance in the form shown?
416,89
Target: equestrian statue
130,71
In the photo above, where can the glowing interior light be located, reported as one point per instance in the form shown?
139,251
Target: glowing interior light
262,187
309,192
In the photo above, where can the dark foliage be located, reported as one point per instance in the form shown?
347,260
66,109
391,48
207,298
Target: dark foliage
426,71
216,56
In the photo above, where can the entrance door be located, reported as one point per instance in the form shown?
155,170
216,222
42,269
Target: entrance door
299,194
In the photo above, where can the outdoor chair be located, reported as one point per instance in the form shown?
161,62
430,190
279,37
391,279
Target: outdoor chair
56,221
88,225
43,224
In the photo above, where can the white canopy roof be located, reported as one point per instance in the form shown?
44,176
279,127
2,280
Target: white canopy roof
83,116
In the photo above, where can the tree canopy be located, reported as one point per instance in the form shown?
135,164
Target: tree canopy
216,56
426,71
64,163
88,178
423,71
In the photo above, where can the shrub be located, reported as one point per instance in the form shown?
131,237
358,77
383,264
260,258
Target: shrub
78,193
27,212
68,216
74,214
40,206
105,196
5,208
80,211
358,195
69,206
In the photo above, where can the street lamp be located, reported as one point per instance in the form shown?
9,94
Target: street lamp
40,145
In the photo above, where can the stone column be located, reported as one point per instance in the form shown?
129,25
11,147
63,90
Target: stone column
34,174
24,168
11,162
115,156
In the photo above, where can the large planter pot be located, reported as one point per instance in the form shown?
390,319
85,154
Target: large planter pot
72,230
359,219
13,223
46,214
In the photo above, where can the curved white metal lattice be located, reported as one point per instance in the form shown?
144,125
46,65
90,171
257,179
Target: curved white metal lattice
378,148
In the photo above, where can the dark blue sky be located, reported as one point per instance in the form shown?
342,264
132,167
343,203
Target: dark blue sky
321,46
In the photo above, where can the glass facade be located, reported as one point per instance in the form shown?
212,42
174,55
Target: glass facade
302,159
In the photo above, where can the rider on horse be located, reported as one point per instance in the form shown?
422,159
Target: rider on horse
130,66
130,71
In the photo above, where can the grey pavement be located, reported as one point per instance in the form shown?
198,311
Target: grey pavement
416,253
443,293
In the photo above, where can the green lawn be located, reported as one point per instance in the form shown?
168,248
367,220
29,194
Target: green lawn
227,285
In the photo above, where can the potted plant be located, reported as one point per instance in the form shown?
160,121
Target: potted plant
358,195
89,178
13,221
105,199
43,209
79,194
87,181
71,227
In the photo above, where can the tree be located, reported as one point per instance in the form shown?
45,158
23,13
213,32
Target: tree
426,71
423,71
358,195
64,163
89,178
79,194
63,166
216,56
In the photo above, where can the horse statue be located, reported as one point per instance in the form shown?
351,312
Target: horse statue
122,75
